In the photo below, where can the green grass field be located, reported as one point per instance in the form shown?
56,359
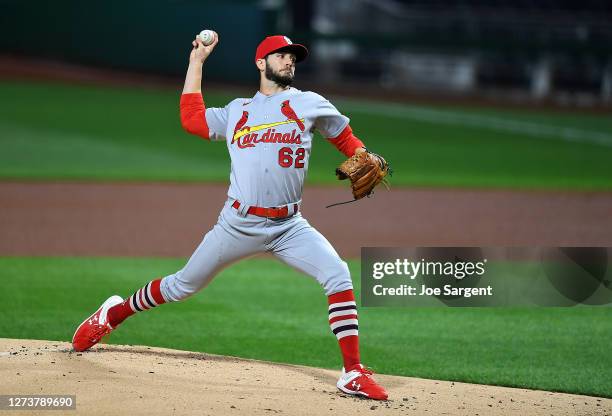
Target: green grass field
262,309
56,131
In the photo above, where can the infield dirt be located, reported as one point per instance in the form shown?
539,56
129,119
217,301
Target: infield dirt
165,219
117,379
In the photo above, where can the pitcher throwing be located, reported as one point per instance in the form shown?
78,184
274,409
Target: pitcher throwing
269,138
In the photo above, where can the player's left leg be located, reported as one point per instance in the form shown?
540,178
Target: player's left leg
303,247
231,239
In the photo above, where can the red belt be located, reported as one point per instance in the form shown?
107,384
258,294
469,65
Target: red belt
269,212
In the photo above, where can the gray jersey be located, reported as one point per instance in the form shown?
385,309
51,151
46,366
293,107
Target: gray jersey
269,140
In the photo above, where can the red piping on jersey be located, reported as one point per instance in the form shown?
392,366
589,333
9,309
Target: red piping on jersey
193,115
346,142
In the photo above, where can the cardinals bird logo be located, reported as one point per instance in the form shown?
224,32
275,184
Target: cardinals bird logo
242,121
290,114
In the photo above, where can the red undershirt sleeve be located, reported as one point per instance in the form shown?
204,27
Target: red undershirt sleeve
193,115
346,142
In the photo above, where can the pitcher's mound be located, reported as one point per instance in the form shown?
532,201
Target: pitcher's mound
135,380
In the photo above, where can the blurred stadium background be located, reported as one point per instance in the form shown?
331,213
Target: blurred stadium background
557,52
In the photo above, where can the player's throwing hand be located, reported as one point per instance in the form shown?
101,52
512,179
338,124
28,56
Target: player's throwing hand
200,52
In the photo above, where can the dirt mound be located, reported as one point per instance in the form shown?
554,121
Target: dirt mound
118,379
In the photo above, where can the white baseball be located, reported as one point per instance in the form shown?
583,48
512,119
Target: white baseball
207,36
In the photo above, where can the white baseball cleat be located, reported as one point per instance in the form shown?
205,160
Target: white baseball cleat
359,382
92,329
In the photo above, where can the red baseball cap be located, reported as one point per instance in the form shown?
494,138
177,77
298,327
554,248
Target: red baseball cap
275,43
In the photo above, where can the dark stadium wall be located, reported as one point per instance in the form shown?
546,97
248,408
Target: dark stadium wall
152,37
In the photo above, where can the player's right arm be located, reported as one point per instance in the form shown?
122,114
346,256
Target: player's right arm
193,111
197,57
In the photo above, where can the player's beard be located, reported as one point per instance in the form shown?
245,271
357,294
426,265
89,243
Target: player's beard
282,79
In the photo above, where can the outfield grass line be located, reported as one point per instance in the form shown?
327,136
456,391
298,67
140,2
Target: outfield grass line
83,133
493,123
96,145
91,156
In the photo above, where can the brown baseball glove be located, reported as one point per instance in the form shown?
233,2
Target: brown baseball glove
365,170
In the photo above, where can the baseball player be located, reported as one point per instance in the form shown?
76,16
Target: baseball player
269,138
